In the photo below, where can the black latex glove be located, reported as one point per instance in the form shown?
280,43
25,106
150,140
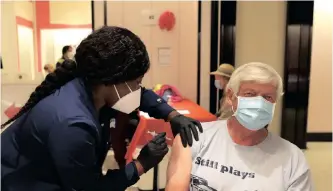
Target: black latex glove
153,152
186,126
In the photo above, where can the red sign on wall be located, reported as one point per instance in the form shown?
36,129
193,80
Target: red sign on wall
12,110
167,20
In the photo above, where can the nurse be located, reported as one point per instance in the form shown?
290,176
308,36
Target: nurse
60,137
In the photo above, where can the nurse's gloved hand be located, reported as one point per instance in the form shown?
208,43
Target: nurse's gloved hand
185,127
153,152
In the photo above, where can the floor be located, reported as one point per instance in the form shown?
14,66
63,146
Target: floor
319,157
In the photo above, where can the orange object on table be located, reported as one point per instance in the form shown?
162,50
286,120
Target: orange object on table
148,127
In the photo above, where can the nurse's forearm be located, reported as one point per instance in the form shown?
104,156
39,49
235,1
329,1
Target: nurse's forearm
154,105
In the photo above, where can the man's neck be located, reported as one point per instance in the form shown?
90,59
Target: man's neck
242,136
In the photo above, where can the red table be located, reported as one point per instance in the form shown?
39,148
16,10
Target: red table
148,127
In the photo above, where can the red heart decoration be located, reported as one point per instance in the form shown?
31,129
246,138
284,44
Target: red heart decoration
167,21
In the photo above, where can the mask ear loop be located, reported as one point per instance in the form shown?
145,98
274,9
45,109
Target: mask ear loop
128,87
116,91
232,107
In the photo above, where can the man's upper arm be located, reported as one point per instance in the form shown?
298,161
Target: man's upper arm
72,149
302,182
179,168
301,175
154,105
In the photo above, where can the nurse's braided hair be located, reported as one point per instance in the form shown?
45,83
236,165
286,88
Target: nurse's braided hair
109,55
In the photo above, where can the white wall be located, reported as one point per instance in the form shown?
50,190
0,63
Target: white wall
53,40
26,51
8,28
320,93
98,14
17,40
60,13
70,12
205,54
24,9
182,40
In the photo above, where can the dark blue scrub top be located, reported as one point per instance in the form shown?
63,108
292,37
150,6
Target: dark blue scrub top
61,145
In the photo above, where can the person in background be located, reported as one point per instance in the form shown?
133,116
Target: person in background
61,136
49,68
67,53
239,153
222,76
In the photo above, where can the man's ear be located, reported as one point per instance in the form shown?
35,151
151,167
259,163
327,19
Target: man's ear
229,96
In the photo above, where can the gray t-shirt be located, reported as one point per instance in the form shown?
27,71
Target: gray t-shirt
219,164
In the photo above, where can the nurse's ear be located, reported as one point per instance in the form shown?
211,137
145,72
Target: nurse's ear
107,93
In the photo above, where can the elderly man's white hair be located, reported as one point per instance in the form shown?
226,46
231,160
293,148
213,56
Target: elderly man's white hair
255,72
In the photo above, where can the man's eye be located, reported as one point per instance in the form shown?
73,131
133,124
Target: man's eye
269,98
248,94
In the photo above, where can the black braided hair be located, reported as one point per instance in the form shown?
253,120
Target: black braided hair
109,55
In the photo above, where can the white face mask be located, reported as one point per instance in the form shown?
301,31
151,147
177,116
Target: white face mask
254,113
218,84
129,102
70,55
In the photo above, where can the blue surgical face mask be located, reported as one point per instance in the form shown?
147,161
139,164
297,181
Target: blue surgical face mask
217,84
254,113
